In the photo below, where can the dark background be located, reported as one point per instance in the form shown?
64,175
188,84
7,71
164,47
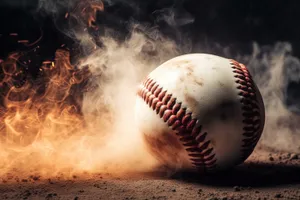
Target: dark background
229,23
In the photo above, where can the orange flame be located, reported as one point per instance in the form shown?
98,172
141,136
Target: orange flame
42,126
29,108
91,13
58,122
87,10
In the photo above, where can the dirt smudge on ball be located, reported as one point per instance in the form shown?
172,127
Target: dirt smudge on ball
190,100
191,74
164,148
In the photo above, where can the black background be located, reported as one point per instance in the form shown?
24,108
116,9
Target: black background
227,22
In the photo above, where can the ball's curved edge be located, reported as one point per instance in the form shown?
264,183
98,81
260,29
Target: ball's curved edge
252,106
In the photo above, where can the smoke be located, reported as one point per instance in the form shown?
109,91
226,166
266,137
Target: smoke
274,69
104,139
107,140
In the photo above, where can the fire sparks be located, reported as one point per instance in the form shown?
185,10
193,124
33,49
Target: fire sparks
68,120
23,41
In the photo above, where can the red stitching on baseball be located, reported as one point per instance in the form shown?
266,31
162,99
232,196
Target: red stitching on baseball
251,114
166,106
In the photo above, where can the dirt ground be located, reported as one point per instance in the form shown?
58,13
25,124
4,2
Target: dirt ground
265,175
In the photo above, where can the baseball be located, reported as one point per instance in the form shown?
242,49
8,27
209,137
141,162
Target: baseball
200,112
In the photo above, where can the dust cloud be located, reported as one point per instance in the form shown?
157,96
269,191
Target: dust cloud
103,139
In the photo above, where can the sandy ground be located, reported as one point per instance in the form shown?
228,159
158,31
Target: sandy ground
265,175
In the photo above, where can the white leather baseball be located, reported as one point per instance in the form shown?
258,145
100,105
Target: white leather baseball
200,112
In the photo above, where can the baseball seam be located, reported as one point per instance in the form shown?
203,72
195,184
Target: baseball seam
250,106
175,115
201,153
